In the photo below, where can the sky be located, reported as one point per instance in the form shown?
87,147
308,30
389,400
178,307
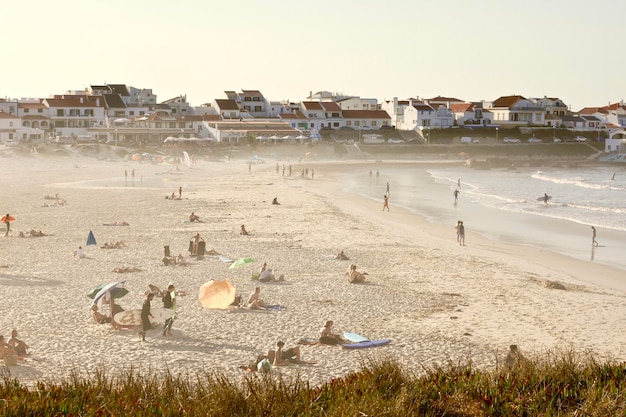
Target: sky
471,50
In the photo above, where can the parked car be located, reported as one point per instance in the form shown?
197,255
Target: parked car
580,139
557,140
511,140
395,140
534,140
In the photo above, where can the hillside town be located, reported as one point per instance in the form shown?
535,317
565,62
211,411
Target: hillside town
124,115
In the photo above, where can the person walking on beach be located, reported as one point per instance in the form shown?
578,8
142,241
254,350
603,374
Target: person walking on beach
457,227
458,183
385,202
456,195
546,197
388,192
180,192
461,234
7,223
169,301
593,236
145,317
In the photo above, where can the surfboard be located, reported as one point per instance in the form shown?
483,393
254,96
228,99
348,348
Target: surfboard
355,338
542,198
133,317
366,344
226,260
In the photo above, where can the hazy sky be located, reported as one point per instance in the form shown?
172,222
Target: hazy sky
469,49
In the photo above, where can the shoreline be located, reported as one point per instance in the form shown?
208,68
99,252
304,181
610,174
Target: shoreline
436,302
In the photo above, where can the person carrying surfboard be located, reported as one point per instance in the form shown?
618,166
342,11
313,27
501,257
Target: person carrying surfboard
169,302
546,197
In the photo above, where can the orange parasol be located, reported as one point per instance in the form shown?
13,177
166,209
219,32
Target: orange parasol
217,294
6,218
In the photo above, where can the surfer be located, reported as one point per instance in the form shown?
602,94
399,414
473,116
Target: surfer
594,242
169,301
145,317
613,177
546,197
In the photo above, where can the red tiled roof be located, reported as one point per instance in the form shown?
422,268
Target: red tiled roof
592,110
507,101
312,105
365,114
4,115
38,105
75,101
423,107
292,116
331,106
226,104
444,99
461,107
251,93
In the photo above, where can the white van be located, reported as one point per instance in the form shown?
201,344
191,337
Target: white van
466,139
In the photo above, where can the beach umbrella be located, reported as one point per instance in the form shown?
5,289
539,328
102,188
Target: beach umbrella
7,217
241,262
91,239
112,287
217,294
116,291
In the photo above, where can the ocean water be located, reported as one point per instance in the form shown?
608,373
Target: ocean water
503,204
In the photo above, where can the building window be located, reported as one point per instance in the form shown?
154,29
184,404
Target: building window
258,108
60,112
26,110
349,123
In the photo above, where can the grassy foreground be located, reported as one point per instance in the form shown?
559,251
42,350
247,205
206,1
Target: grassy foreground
563,385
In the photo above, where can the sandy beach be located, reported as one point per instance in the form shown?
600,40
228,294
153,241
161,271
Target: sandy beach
437,301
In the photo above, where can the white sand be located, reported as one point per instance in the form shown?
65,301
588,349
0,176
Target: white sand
438,302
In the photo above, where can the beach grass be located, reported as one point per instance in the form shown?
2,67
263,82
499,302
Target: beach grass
564,384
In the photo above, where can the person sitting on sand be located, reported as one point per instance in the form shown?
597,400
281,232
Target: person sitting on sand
254,301
281,357
327,337
514,356
355,277
98,317
80,253
195,240
275,201
124,269
243,230
194,218
342,256
18,345
266,275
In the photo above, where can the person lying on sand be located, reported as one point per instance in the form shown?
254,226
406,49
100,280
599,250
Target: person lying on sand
282,357
355,277
124,269
342,256
174,260
120,223
117,245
